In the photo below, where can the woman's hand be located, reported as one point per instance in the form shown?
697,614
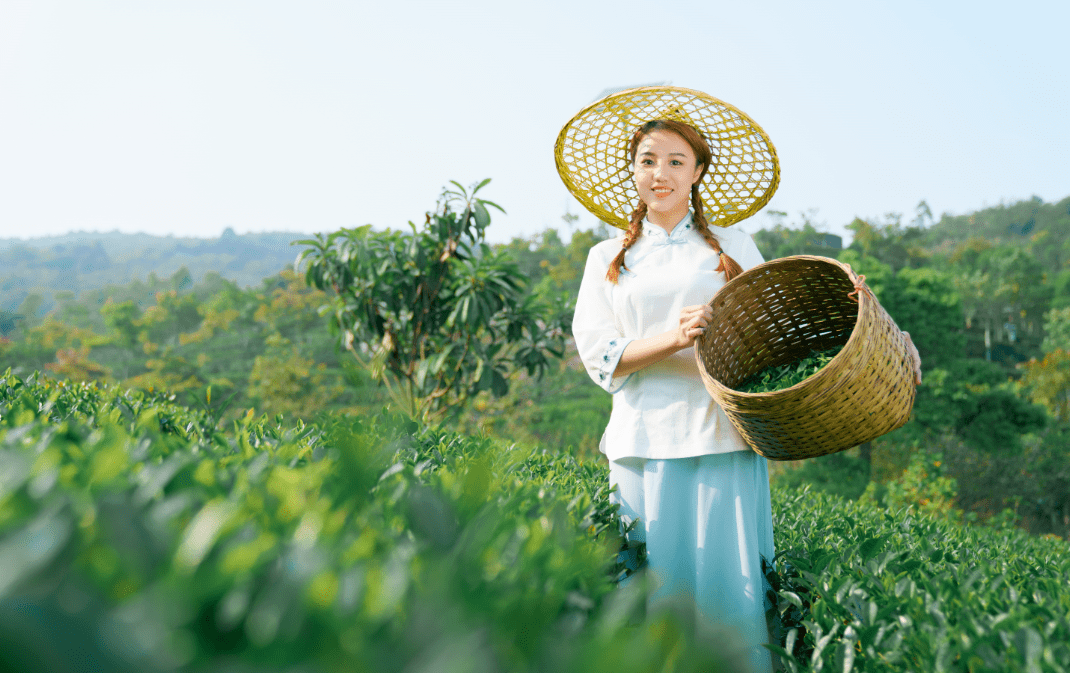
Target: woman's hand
693,321
642,353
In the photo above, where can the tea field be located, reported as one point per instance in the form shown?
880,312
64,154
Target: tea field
140,534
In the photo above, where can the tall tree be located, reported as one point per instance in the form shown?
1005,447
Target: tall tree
436,314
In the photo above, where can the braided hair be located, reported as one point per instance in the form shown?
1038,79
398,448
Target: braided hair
704,157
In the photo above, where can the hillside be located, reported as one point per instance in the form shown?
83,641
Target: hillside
80,262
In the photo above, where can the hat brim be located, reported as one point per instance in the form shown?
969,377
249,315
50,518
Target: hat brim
592,159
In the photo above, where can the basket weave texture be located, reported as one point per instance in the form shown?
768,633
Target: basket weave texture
592,159
780,311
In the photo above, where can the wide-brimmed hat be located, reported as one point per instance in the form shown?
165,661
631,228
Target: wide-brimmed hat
592,153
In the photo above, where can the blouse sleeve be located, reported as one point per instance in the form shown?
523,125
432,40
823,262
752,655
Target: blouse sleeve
599,339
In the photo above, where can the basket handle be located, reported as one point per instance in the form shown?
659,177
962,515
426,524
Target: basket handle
859,281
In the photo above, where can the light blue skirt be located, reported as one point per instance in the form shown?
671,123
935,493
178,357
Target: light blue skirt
706,521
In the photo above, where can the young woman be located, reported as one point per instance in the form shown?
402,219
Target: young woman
700,494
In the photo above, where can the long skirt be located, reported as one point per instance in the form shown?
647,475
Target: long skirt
706,521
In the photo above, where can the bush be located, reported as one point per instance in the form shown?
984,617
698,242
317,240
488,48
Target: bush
357,545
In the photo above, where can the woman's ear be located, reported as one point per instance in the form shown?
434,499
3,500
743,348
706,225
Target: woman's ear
697,176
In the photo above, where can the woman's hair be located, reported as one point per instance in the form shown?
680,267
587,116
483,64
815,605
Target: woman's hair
703,157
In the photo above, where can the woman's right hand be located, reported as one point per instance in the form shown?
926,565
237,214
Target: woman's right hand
644,352
693,321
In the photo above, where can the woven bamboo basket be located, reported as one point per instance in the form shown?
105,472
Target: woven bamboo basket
780,311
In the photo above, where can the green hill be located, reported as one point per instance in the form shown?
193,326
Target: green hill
81,262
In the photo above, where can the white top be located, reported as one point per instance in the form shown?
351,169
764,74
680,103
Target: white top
663,410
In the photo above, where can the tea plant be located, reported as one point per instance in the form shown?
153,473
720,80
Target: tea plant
164,543
868,589
137,534
779,377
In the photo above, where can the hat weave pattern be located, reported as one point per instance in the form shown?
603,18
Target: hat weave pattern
592,158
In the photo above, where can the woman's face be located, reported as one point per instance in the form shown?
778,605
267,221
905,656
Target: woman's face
664,170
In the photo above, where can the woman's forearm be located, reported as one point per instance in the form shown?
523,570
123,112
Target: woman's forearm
645,352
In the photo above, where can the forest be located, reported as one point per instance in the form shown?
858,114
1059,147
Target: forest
433,342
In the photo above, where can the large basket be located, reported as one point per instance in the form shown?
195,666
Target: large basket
778,312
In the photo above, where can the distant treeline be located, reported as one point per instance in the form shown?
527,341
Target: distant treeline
36,272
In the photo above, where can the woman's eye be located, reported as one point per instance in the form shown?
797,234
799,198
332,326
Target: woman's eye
676,162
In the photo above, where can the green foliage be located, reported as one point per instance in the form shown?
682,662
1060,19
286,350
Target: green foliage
1033,482
1057,330
841,474
996,419
356,545
861,588
889,241
779,377
249,347
1047,383
974,398
436,314
562,410
924,486
784,241
924,302
1002,286
553,267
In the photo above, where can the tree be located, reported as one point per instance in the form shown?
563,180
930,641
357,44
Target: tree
1047,382
925,303
786,240
1004,291
435,313
890,241
1057,330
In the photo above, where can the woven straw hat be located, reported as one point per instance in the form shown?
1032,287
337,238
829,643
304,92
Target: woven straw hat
592,153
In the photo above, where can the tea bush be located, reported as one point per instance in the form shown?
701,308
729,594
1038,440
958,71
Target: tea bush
135,534
871,589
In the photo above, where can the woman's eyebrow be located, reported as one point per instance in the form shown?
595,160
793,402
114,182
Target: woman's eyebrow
648,153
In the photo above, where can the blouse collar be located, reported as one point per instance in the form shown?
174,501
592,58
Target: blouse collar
677,236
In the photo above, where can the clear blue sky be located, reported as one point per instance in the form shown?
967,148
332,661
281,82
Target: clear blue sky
187,117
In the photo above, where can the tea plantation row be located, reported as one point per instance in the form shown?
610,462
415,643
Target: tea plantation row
136,535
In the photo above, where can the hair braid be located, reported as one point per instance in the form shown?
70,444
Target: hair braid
635,230
729,266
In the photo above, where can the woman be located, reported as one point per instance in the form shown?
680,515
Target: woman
701,495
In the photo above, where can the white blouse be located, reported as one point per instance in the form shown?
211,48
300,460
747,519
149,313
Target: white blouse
663,410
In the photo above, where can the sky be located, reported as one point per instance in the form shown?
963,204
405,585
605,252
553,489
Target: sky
186,118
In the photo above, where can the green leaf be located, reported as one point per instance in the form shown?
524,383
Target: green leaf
870,548
482,217
202,533
492,205
30,548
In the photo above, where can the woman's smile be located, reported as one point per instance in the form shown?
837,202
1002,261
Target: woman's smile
665,168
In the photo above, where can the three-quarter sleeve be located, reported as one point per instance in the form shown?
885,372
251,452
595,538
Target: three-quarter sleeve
599,339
